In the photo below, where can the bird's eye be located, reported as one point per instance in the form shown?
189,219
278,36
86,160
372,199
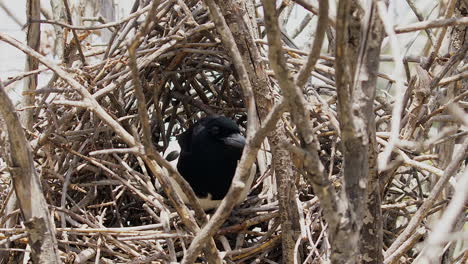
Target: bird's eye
215,130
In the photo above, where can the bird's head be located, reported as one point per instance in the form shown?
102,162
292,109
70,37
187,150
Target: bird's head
212,131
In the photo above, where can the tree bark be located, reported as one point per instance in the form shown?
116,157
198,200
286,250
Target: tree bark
33,38
26,182
243,27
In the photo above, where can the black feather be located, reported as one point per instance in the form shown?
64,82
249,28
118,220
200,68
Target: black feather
210,151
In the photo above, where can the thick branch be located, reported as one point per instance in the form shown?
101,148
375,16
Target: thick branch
27,184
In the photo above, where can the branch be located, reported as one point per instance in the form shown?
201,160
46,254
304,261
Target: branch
441,231
306,70
396,250
107,25
27,184
400,88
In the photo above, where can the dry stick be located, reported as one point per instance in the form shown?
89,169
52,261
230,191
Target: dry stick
413,163
461,21
33,39
396,250
441,36
355,96
11,14
306,70
58,8
420,17
438,238
20,76
454,61
107,25
311,8
304,22
409,58
413,239
360,169
247,223
454,78
348,91
75,35
141,101
399,74
27,184
124,247
443,107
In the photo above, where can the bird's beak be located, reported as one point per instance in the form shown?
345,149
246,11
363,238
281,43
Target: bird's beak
235,140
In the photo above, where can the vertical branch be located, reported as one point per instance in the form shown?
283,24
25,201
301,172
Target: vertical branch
343,249
364,91
243,28
354,152
459,46
441,36
33,38
314,54
400,89
27,184
75,35
58,13
358,41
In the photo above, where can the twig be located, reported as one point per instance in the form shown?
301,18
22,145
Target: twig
445,224
461,21
77,41
396,249
102,26
314,54
399,85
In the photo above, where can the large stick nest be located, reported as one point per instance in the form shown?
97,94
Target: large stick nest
185,74
99,189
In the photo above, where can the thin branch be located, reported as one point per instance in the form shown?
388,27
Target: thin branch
437,23
102,26
441,231
77,41
396,250
306,70
399,76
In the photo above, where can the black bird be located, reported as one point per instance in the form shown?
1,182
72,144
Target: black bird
209,153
